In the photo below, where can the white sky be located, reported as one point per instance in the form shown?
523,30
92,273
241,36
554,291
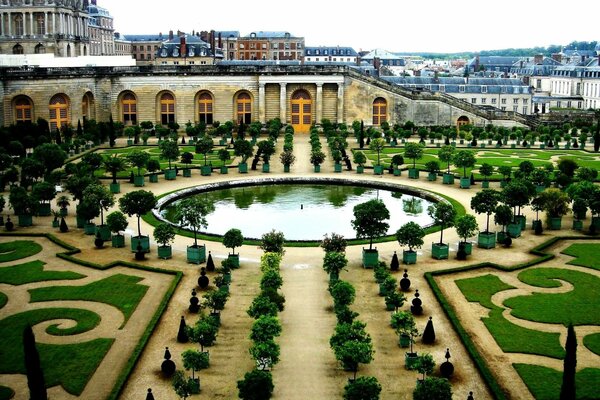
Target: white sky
409,25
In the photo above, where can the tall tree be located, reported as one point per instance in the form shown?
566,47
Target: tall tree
567,390
35,375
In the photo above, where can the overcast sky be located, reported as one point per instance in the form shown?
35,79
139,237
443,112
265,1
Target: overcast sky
409,25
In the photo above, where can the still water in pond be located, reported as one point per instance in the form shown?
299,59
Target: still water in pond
303,212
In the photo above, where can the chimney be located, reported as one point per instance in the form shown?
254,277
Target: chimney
182,46
171,35
538,59
93,2
557,57
476,63
220,41
376,63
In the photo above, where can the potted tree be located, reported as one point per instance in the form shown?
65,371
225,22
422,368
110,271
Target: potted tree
425,365
579,209
486,201
44,192
233,238
23,204
466,226
486,170
444,215
265,354
433,167
256,385
243,148
503,216
191,213
224,156
506,172
556,204
446,155
517,194
266,149
169,150
540,177
287,158
117,222
410,234
96,199
316,159
164,234
397,161
114,165
369,222
63,203
377,146
414,151
153,167
352,345
359,159
187,158
204,145
196,361
404,324
336,155
464,159
138,159
138,203
333,263
362,388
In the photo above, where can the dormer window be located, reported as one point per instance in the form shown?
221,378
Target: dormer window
484,89
163,52
191,52
461,88
176,52
253,35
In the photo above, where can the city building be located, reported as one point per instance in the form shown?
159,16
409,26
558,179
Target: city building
500,65
380,57
187,50
44,26
275,45
335,54
101,31
144,47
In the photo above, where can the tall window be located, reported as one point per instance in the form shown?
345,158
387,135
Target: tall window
205,108
87,106
59,112
129,108
167,108
18,23
379,111
244,108
40,49
41,24
23,110
17,49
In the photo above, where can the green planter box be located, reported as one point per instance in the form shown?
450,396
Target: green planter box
577,225
522,220
370,258
206,170
44,210
503,184
555,223
413,173
360,169
165,252
24,220
104,232
514,230
194,385
243,168
144,241
138,181
118,241
80,222
154,178
410,360
286,168
317,168
222,141
542,146
337,167
234,260
89,229
486,240
465,183
409,257
266,168
378,170
596,223
501,237
403,340
485,184
170,174
432,176
540,188
224,170
196,255
187,173
129,142
116,187
55,223
482,145
468,246
440,251
397,172
448,179
513,146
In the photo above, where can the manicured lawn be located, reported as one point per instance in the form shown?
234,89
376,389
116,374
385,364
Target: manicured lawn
544,383
120,291
578,306
586,254
18,249
6,393
482,288
3,299
592,342
69,365
33,272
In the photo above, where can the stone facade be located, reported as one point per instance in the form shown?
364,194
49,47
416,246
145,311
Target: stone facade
337,93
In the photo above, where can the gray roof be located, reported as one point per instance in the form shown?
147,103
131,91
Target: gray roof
330,50
146,38
226,34
195,47
461,85
381,54
494,60
271,34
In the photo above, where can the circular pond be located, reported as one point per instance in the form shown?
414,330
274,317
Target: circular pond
303,209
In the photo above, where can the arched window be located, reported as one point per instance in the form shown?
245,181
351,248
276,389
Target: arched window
18,49
40,49
301,111
379,111
167,108
68,50
244,108
87,106
205,108
23,109
59,112
129,109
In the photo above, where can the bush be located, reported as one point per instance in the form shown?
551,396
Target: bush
433,389
271,280
275,297
265,328
334,243
262,305
272,242
363,388
256,385
343,293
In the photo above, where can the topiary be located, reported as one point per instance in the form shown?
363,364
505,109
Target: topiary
182,334
168,366
429,333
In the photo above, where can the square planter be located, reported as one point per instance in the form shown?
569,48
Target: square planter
501,237
243,168
555,223
540,188
514,230
577,225
403,340
486,240
44,210
482,145
143,241
378,170
413,173
513,146
25,220
522,220
465,183
89,228
234,260
196,254
154,178
138,181
80,222
468,246
266,168
370,258
542,146
170,174
103,231
224,170
55,223
397,172
194,384
360,169
485,184
409,257
118,241
317,168
439,251
596,223
116,187
432,176
165,252
129,142
206,170
187,173
410,360
448,179
503,184
337,167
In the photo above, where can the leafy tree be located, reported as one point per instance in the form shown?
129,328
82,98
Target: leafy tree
116,221
410,234
262,305
587,174
432,166
369,220
317,157
568,167
444,215
397,160
216,299
486,170
359,158
464,159
271,280
43,191
21,201
526,168
352,345
192,212
466,226
204,145
233,238
99,198
267,149
343,293
137,203
555,202
33,368
164,233
335,243
505,171
243,148
195,360
265,328
425,364
256,385
377,145
433,389
139,159
51,156
92,161
272,242
567,389
169,150
517,194
363,388
485,201
334,262
503,215
413,151
446,155
204,332
114,165
181,385
265,353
